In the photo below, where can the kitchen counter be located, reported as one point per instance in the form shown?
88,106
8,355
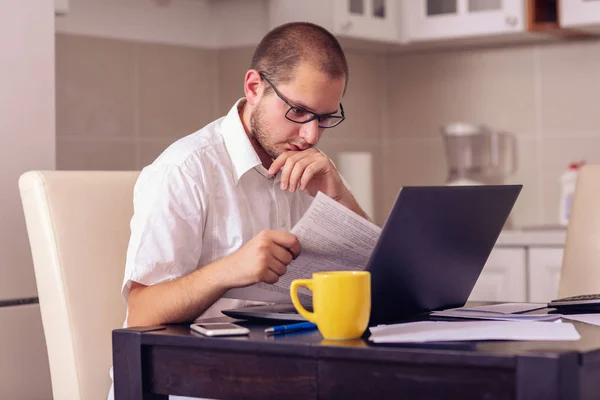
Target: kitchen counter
542,236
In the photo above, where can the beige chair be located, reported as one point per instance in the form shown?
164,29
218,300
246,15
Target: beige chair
78,226
581,261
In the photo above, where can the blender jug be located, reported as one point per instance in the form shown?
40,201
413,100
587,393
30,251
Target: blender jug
477,155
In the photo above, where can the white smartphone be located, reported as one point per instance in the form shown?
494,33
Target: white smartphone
219,329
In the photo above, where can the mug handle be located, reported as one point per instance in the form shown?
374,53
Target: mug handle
310,316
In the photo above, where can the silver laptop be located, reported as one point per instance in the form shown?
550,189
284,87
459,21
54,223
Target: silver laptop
429,255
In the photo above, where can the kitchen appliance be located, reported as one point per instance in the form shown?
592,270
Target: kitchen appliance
478,155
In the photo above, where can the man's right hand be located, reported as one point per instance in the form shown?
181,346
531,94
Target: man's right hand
263,259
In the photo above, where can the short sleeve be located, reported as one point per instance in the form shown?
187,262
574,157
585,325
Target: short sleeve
166,227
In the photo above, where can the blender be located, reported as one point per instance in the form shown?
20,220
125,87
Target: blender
476,155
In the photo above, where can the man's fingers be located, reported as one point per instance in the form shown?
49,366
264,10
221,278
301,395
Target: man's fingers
280,161
287,240
277,266
309,173
298,172
288,168
270,276
282,254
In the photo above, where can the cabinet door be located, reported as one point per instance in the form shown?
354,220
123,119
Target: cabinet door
503,277
441,19
579,13
544,273
367,19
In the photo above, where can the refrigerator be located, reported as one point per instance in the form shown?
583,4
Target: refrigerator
27,142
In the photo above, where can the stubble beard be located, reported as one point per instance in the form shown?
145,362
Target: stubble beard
259,134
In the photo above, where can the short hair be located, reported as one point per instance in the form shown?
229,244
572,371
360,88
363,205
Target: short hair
285,47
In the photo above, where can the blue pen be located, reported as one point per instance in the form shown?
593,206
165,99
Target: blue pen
291,328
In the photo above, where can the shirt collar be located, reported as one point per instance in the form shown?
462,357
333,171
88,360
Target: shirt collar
240,150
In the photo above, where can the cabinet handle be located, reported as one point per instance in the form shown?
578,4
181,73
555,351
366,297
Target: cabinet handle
346,26
511,20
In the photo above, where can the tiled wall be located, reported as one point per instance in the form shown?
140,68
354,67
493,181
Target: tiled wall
546,95
120,103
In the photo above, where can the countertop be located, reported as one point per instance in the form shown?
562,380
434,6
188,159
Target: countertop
534,236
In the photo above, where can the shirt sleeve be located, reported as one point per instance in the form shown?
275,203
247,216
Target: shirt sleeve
166,227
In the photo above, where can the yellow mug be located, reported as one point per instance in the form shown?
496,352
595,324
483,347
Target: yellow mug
341,302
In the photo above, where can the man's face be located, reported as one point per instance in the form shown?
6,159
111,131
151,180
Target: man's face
312,90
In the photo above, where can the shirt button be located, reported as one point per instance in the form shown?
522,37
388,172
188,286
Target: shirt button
282,224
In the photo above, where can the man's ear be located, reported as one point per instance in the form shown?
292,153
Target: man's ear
253,87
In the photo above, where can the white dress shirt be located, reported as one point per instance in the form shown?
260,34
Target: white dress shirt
203,198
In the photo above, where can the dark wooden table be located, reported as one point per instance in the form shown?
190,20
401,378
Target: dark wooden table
149,364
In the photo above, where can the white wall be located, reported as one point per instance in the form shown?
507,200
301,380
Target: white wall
198,23
27,141
27,127
240,23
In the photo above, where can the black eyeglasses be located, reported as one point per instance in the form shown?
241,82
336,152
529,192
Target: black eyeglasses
301,115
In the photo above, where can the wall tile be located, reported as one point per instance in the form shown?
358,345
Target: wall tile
557,154
570,83
493,87
175,90
334,146
365,98
150,151
408,162
527,210
87,155
233,64
94,87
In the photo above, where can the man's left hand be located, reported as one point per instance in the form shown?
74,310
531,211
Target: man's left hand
311,171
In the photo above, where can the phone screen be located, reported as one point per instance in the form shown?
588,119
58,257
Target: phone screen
219,326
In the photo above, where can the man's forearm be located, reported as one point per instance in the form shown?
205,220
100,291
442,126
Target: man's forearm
180,300
349,201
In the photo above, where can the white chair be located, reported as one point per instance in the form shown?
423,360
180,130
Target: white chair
581,260
78,227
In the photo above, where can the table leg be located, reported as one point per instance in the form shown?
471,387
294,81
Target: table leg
127,367
548,376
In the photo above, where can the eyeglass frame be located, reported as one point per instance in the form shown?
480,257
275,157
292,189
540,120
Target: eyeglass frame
314,116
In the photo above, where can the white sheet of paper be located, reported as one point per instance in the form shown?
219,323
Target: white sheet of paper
592,319
506,308
439,331
333,238
493,316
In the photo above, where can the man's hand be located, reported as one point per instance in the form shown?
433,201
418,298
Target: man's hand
309,170
312,171
263,259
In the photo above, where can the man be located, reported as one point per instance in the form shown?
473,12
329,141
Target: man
212,214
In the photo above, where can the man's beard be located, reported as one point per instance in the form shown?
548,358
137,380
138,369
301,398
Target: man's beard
259,134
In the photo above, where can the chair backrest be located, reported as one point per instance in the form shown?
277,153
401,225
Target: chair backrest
580,272
78,227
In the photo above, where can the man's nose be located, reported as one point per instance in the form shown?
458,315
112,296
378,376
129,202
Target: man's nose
310,132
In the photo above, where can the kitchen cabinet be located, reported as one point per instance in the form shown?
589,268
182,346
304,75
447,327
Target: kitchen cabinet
503,277
544,266
359,19
446,19
367,19
524,265
579,14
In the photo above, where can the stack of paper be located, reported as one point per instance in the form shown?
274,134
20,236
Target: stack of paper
440,331
499,312
592,319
